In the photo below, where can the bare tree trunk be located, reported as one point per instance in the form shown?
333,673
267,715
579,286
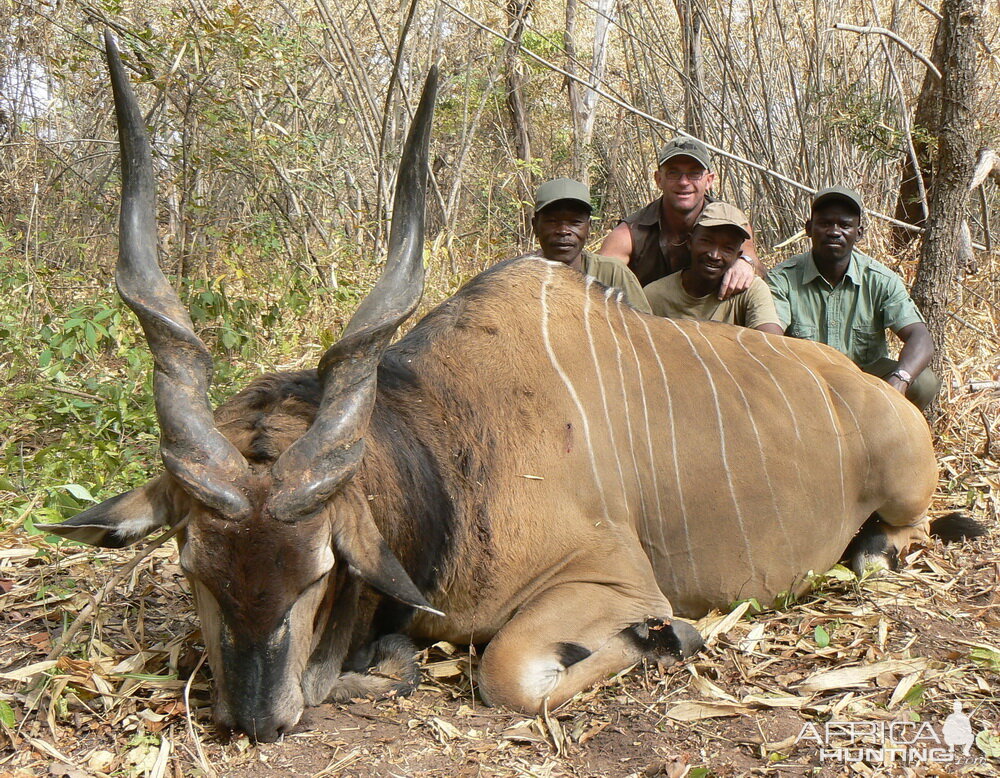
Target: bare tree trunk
517,10
949,193
694,78
583,100
575,91
926,122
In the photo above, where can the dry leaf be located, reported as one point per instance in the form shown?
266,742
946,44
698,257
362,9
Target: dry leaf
788,701
696,710
445,730
28,671
711,628
708,689
846,677
749,644
524,732
447,668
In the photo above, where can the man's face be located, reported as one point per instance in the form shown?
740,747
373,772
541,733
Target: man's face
683,181
562,230
713,250
834,228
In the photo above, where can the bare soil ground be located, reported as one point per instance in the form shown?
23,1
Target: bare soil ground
890,654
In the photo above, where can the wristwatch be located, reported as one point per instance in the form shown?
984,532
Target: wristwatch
902,375
748,258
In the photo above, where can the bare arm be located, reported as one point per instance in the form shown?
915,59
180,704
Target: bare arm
918,348
741,273
773,329
618,244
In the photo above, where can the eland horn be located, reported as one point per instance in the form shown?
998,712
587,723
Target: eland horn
319,462
194,452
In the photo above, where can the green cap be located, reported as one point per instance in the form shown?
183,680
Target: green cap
682,146
562,189
724,215
838,193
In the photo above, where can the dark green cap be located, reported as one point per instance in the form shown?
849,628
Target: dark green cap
838,193
682,146
562,189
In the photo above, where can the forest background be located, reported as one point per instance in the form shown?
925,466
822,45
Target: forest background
277,128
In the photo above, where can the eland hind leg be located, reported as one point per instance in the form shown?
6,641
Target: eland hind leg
879,545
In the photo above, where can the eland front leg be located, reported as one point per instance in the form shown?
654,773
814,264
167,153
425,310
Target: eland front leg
574,635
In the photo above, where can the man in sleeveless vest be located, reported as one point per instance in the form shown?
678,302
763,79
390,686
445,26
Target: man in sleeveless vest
653,241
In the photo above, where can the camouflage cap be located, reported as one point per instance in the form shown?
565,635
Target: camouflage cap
838,193
682,146
724,215
562,189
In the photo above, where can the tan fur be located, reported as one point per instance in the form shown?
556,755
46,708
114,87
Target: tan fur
595,467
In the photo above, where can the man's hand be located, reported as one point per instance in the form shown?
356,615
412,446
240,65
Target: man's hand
737,279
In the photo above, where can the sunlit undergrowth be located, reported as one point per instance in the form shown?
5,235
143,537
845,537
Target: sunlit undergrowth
75,373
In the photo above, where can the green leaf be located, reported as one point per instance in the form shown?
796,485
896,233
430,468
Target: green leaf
987,657
822,637
7,714
80,492
915,696
841,573
988,742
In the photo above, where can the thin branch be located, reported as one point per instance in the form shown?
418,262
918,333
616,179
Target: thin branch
892,36
988,164
673,128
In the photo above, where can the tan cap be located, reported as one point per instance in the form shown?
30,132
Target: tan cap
724,215
562,189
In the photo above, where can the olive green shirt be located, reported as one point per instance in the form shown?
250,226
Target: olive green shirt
851,316
751,308
616,275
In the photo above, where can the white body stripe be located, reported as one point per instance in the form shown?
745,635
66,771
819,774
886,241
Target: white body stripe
600,383
725,454
757,437
628,413
653,469
678,482
570,388
793,357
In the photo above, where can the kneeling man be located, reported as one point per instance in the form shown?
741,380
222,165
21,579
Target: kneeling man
693,293
839,296
562,227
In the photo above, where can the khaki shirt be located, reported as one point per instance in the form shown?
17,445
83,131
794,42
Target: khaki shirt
667,297
616,275
851,316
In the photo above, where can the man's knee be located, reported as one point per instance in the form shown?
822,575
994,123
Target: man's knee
921,392
924,389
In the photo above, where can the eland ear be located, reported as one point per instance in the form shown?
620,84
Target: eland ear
359,542
120,521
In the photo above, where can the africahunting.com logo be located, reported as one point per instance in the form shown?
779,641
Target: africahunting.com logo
898,742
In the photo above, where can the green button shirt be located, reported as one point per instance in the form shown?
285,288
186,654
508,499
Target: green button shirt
851,316
616,275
